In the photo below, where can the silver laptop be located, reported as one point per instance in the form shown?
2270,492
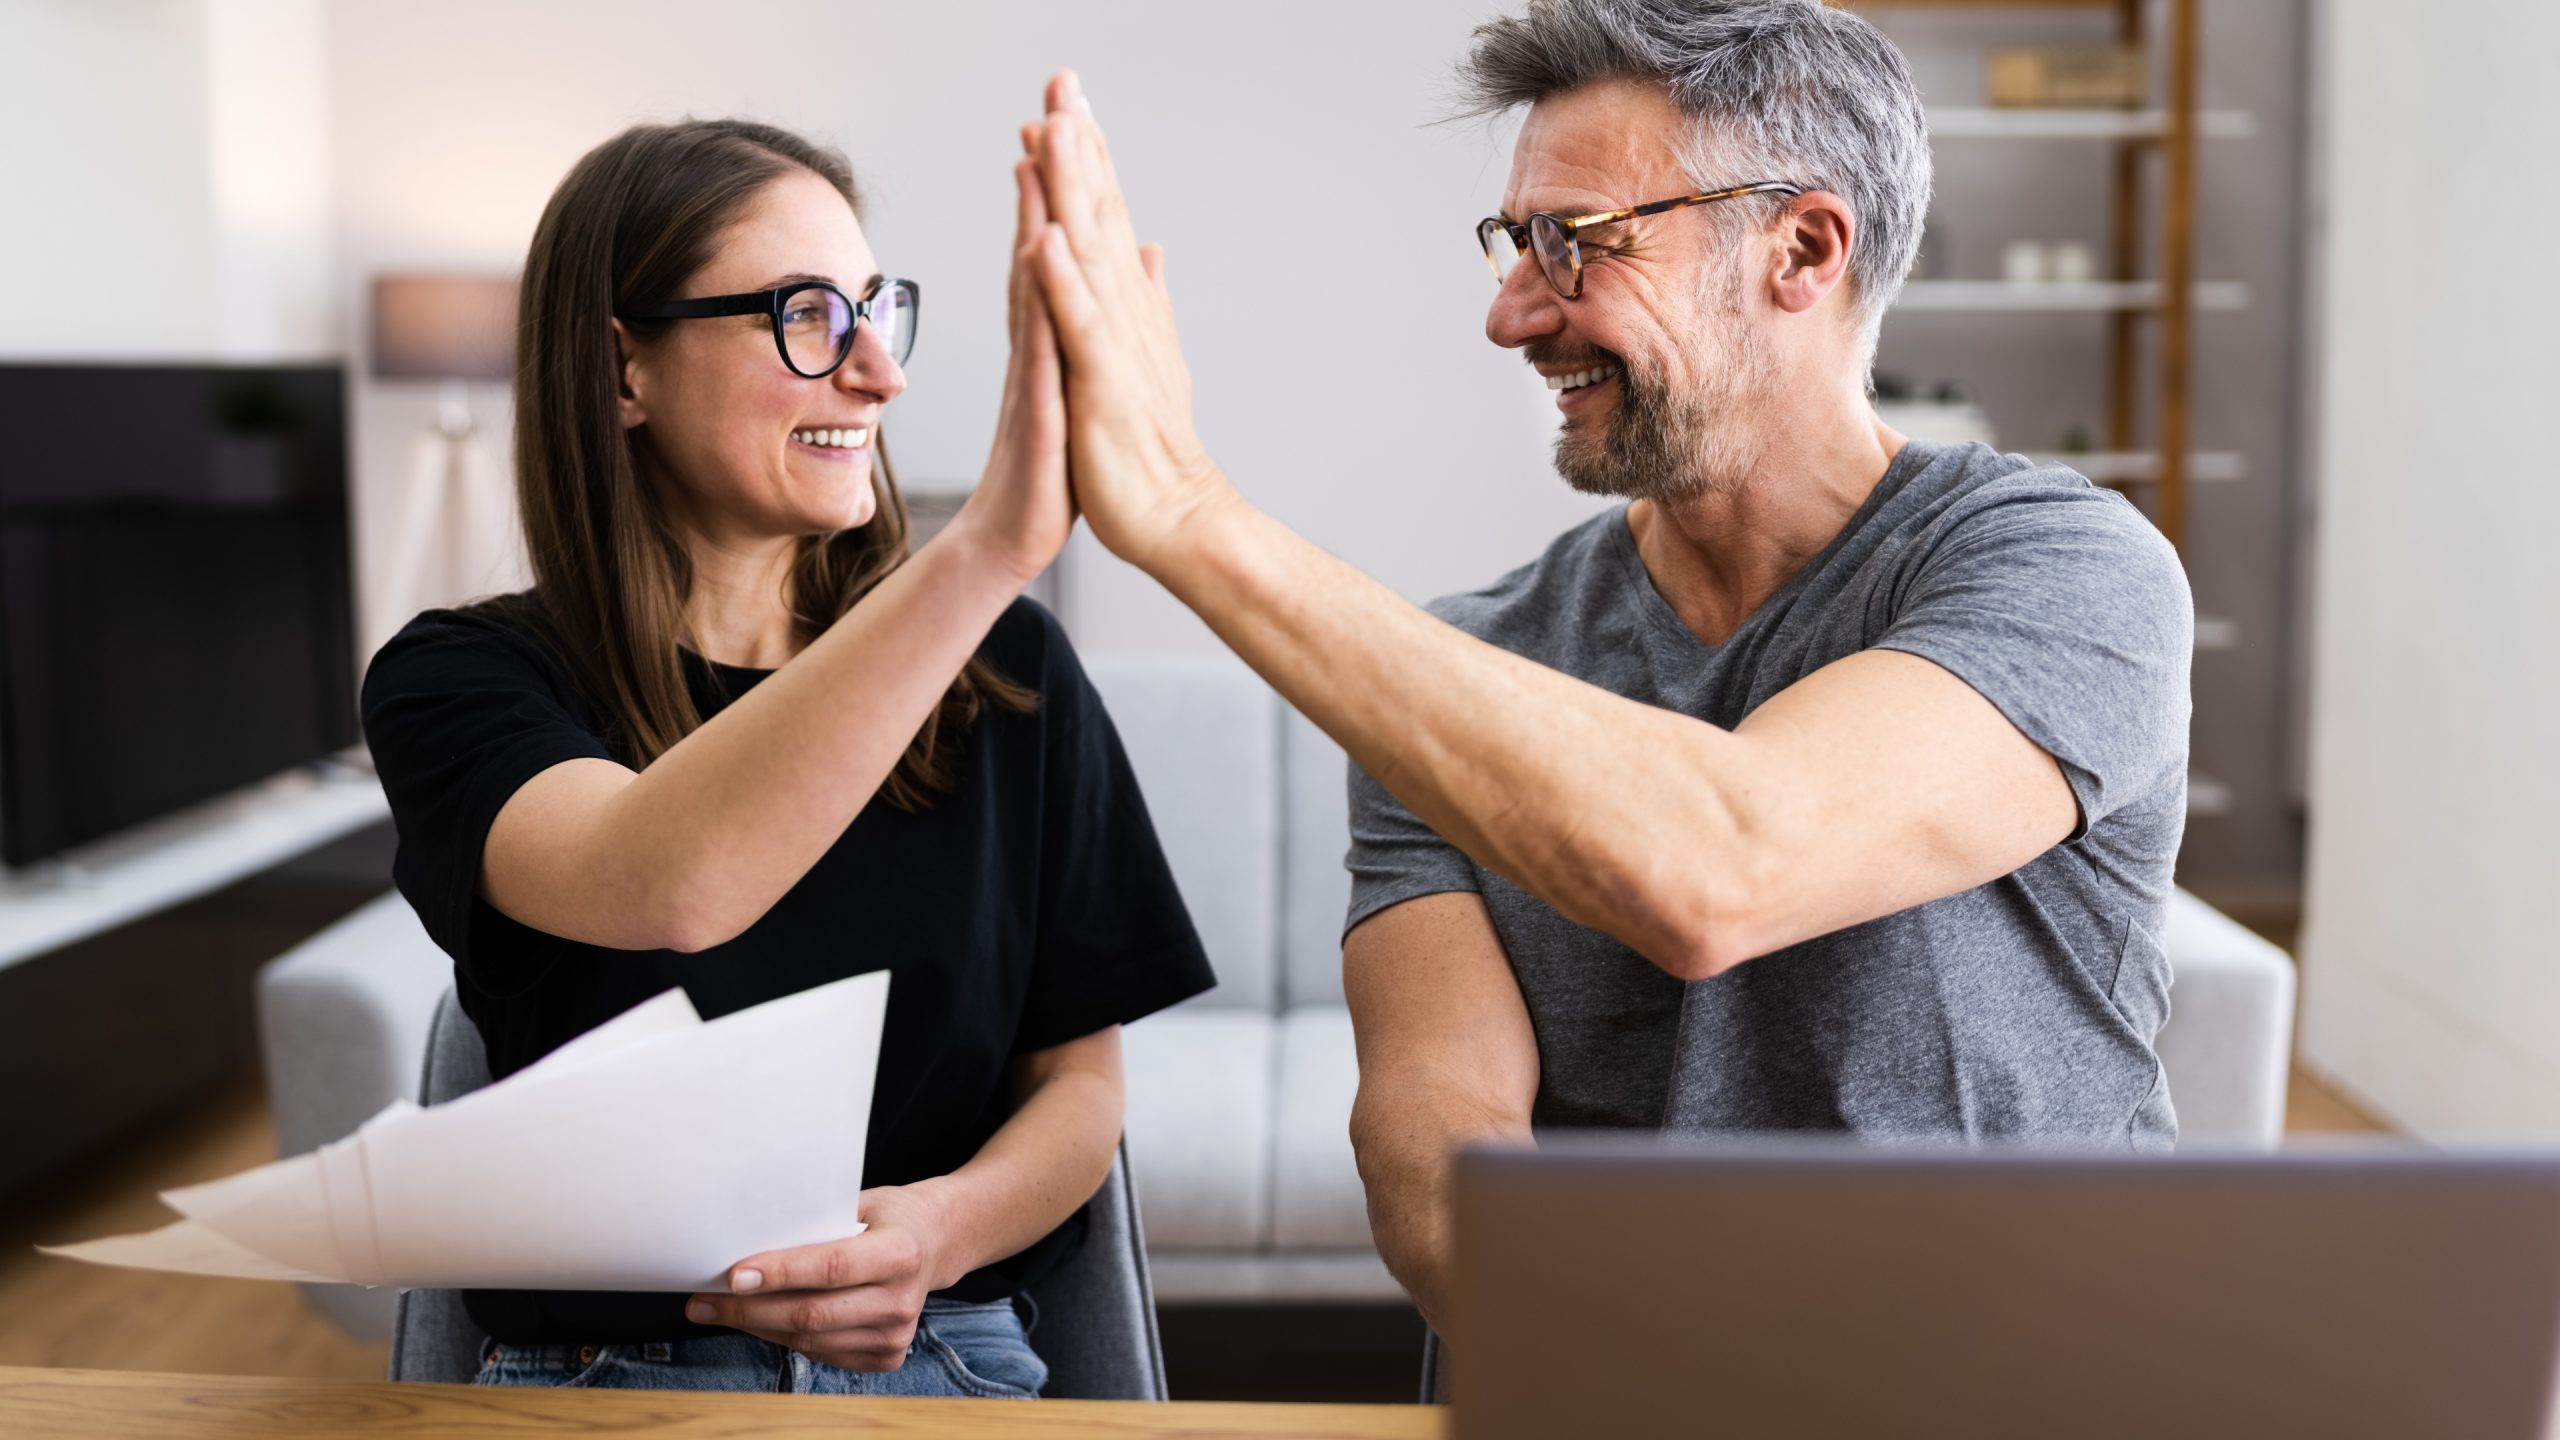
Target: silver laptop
1817,1288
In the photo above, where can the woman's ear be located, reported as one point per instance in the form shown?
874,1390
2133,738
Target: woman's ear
630,379
1815,236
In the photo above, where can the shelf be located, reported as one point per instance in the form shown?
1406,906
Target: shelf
2095,295
1984,122
2132,467
179,857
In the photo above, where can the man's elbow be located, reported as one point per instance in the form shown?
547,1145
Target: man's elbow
1697,931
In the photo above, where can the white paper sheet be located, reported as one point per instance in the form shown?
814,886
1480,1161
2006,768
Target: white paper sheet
651,1153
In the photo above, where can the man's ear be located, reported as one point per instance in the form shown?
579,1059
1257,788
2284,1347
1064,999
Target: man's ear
630,378
1815,238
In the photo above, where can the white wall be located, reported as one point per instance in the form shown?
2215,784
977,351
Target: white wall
1320,230
2431,971
101,107
167,180
266,136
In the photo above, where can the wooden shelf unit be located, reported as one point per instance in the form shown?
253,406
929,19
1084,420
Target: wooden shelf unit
2129,299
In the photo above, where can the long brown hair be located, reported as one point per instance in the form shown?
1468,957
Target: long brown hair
630,225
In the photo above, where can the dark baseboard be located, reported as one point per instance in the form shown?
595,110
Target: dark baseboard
1305,1354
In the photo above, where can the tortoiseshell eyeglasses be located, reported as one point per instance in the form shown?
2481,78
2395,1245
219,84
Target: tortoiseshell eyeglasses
1556,239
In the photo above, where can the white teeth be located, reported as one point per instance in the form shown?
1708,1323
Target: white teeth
834,439
1580,378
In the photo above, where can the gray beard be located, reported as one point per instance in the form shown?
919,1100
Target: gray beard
1666,447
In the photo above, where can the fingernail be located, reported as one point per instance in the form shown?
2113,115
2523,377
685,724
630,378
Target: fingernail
745,1281
1075,92
699,1312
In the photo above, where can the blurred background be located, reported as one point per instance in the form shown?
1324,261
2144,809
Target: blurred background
2266,265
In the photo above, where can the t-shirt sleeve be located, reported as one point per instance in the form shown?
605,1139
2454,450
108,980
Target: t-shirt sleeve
1394,856
1115,942
459,713
2070,612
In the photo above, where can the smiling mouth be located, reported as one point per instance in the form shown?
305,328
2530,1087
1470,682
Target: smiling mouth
844,439
1581,379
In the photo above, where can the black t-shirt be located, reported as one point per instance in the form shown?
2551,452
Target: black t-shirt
1026,906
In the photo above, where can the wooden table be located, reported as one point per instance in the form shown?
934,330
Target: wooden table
49,1403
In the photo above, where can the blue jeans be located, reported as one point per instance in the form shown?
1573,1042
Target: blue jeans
978,1351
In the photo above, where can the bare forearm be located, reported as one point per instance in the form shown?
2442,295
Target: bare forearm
1575,794
1039,1168
705,840
1404,1151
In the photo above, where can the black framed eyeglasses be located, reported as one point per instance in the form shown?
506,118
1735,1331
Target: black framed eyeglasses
1556,239
813,321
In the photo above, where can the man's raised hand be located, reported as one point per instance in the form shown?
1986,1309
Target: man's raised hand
1140,474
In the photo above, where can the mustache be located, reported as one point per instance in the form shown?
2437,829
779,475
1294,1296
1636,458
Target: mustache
1571,357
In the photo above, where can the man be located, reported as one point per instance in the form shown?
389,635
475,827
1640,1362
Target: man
1833,782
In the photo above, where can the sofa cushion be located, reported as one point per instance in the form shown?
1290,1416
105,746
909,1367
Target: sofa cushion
343,1018
1203,736
1199,1126
1315,889
1317,1202
2227,1045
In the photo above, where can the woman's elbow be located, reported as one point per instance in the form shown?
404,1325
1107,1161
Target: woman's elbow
685,924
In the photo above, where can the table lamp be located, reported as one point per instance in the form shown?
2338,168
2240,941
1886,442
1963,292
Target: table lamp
453,330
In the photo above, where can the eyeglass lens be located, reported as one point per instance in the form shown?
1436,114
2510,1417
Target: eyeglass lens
1498,248
1546,238
1555,253
817,330
893,309
818,326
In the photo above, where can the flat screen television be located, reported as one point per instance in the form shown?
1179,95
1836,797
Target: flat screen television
176,616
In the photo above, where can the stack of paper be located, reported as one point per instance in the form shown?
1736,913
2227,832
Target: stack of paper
651,1153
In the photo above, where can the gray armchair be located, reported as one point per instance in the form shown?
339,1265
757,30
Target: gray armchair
1098,1312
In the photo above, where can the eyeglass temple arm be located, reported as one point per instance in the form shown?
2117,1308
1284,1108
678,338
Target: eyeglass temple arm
1763,187
758,303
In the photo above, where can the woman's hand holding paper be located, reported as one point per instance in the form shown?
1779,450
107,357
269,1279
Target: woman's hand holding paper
852,1303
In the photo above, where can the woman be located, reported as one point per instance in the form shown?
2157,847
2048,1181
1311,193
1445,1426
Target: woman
736,739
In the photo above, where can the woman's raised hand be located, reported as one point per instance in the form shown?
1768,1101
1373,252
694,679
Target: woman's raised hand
1140,474
1022,507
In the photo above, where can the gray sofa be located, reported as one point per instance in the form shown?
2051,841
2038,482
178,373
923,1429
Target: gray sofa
1239,1101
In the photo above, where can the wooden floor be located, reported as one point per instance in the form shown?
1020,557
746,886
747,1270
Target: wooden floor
59,1313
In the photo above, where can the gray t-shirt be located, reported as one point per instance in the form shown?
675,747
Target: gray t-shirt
2024,1007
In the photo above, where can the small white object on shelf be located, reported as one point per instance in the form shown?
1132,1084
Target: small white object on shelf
2049,295
2025,262
178,857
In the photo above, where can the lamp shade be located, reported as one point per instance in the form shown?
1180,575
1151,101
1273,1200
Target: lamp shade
444,327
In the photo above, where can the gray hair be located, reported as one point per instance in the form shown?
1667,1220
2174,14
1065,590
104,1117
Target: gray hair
1788,90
